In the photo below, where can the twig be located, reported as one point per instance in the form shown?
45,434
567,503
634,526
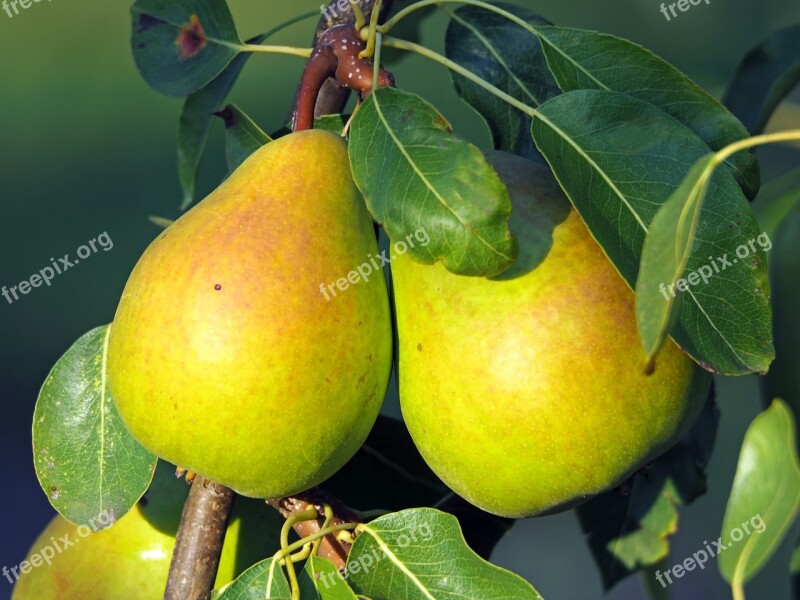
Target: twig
334,550
333,96
199,543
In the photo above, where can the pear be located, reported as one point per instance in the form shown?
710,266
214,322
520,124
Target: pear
228,355
131,559
525,392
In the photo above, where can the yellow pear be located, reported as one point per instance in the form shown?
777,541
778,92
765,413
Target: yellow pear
131,559
525,392
228,354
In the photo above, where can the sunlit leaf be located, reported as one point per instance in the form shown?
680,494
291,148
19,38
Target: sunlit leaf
262,581
86,461
619,159
416,175
765,496
420,554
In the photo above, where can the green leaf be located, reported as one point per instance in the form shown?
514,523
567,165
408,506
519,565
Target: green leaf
420,554
86,461
765,497
619,159
400,478
590,60
510,58
415,175
783,379
320,580
195,120
242,135
764,78
181,45
629,529
263,581
666,251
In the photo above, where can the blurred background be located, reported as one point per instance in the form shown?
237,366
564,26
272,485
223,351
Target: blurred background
86,147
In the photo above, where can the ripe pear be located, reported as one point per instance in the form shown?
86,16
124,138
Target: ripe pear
227,357
525,392
131,559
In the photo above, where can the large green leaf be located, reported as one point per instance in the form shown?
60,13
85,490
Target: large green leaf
582,59
510,58
783,379
262,581
181,45
416,175
619,159
420,554
85,459
765,76
765,497
629,530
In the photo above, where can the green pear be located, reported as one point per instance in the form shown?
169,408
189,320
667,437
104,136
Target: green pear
131,559
228,354
525,392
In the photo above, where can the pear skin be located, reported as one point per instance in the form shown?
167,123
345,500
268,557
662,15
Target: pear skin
225,356
131,559
525,392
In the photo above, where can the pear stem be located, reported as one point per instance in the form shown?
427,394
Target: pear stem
198,545
329,547
333,96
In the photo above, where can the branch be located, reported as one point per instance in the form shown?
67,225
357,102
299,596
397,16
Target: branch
330,548
333,96
199,543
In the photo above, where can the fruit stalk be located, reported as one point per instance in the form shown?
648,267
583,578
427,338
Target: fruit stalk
199,542
334,550
333,96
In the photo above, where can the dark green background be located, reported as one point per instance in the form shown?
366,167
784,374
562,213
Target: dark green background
87,147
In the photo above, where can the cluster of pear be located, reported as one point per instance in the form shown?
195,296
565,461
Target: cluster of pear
524,392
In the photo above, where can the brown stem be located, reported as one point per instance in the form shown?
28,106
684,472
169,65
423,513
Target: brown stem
330,548
330,95
199,542
335,55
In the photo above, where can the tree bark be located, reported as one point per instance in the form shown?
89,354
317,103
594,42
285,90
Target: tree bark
330,548
199,543
333,97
